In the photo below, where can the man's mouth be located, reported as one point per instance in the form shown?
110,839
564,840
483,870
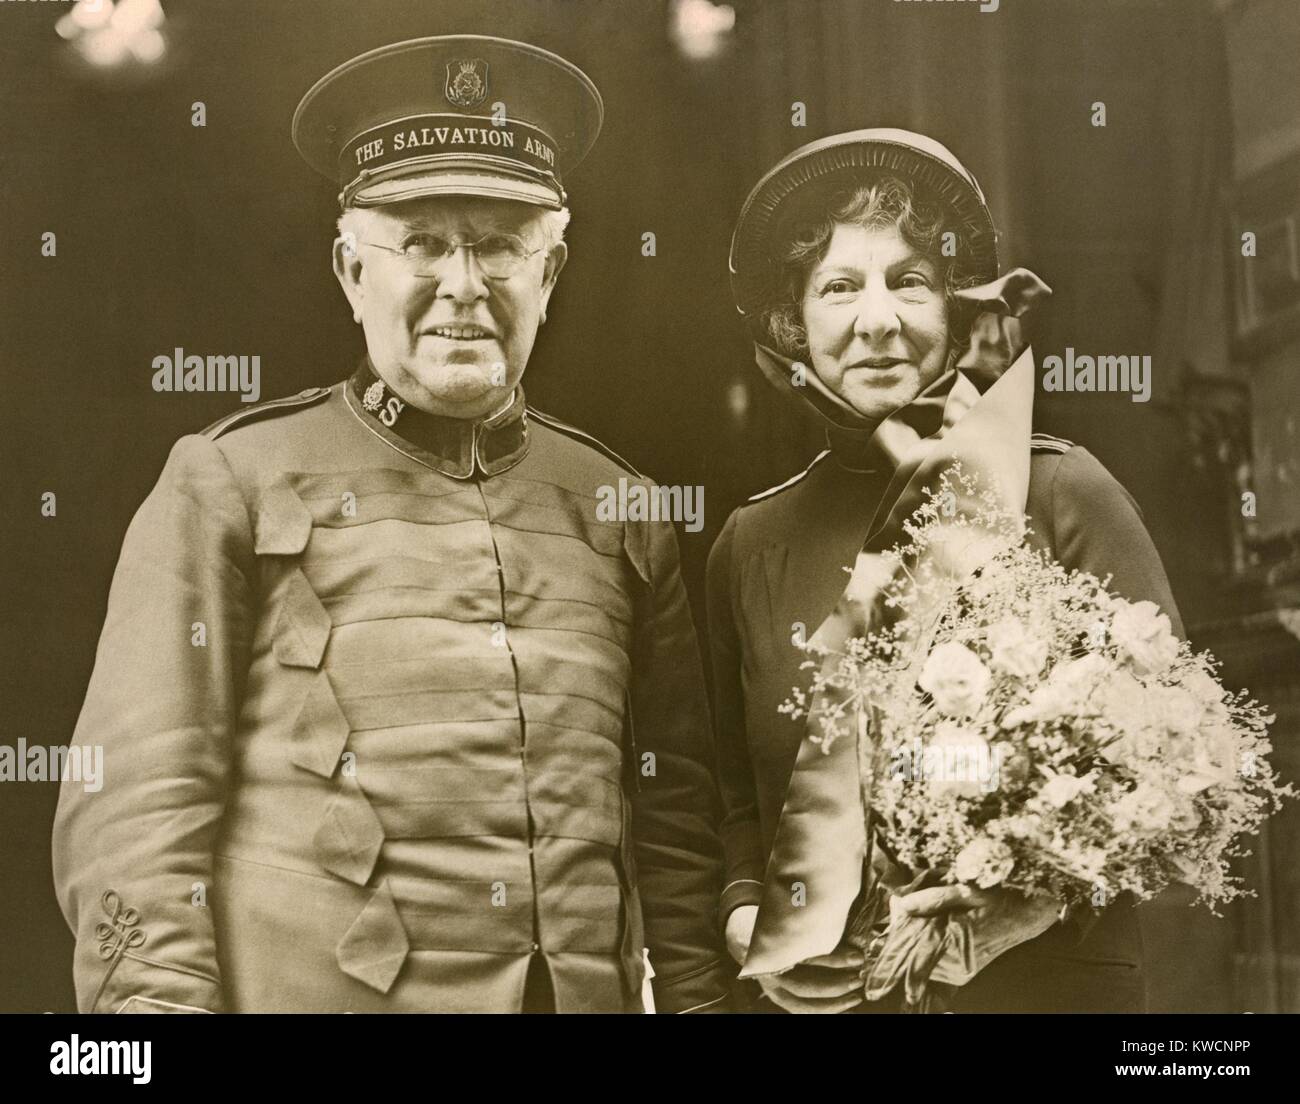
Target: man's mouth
460,333
880,363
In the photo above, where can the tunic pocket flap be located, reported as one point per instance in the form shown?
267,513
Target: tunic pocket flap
282,522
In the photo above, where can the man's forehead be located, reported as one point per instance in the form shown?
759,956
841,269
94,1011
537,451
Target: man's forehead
438,211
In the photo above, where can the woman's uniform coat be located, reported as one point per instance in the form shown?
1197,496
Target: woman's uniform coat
775,573
388,711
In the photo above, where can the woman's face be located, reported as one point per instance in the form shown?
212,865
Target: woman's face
876,319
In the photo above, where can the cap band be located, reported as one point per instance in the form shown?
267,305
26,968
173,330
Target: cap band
513,145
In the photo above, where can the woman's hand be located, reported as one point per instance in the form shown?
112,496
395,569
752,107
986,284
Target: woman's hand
937,900
740,930
830,983
999,919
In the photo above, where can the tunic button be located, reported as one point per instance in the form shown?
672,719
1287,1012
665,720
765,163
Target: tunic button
536,947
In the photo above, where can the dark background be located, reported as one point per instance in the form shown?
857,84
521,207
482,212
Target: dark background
217,239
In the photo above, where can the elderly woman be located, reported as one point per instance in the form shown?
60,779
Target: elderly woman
866,267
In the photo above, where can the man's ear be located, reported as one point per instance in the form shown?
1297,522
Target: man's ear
555,259
347,268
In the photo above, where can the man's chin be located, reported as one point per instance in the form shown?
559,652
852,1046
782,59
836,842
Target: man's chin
459,390
458,383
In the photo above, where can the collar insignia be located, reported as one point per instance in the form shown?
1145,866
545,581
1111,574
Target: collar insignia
373,399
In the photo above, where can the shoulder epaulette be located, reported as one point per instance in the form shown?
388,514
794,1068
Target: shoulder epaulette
792,480
262,410
585,438
1045,442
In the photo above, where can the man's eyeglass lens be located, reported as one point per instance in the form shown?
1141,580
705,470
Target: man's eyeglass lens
499,255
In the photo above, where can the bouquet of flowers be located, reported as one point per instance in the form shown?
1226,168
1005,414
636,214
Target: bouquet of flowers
1020,727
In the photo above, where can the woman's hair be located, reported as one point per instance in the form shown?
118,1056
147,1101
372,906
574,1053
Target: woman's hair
884,202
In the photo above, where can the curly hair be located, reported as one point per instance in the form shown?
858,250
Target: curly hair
887,201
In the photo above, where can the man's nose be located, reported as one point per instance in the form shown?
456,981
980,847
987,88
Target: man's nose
877,318
461,278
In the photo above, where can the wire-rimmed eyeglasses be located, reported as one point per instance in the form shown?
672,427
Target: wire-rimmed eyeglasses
500,255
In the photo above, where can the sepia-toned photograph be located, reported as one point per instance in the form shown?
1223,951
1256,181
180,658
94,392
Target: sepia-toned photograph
651,506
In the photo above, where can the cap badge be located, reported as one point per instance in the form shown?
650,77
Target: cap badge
373,399
467,82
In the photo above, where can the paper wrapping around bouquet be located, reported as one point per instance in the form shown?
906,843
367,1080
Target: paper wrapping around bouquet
950,948
814,873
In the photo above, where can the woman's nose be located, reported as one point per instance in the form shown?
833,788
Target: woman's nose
877,317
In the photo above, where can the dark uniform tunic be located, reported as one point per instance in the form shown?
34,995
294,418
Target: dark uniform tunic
780,562
443,722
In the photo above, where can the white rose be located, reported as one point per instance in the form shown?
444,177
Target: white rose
955,678
1178,711
1061,789
1126,708
1186,818
1208,758
1080,677
1147,809
1015,650
1210,694
985,862
1045,703
1067,692
1087,863
1145,636
958,760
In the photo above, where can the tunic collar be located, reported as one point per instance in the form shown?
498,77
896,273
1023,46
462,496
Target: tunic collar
458,447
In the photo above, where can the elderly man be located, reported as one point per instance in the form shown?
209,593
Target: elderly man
392,720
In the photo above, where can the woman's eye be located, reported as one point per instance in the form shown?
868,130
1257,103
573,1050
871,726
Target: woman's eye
836,287
913,280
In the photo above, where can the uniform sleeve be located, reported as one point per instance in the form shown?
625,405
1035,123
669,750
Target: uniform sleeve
1097,527
741,840
674,806
133,864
